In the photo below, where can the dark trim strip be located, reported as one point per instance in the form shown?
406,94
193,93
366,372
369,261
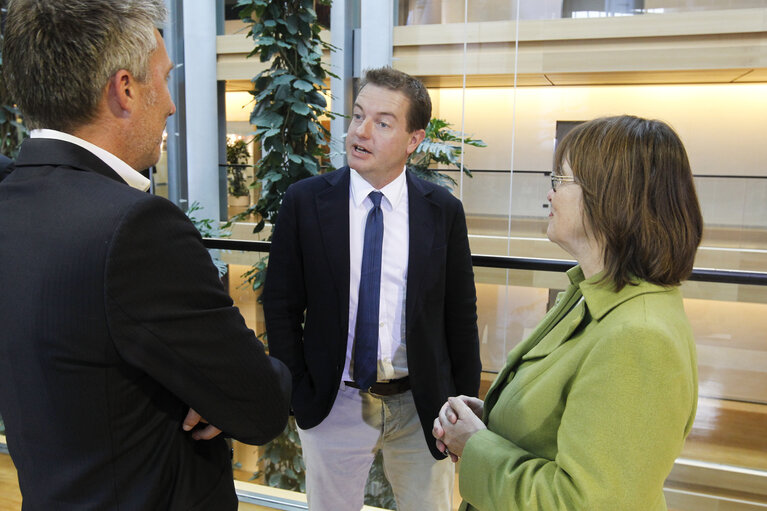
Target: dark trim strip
542,172
526,263
521,263
242,245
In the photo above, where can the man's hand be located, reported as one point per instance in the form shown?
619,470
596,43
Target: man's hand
192,419
458,420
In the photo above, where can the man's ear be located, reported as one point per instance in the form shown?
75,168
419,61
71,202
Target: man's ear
416,138
122,92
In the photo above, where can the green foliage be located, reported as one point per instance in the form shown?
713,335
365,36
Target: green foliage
12,128
236,155
288,98
288,104
378,492
441,145
256,275
283,462
283,467
208,229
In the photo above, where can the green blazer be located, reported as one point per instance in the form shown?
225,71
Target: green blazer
590,412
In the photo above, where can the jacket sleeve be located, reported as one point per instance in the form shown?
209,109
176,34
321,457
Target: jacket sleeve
461,308
623,424
170,316
284,296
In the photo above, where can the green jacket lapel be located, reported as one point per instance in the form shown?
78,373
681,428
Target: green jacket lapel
565,301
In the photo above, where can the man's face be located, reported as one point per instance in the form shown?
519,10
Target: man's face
378,142
154,109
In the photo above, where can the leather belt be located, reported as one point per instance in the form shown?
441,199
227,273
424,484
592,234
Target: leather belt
385,388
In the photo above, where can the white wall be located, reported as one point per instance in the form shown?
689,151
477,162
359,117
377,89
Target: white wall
722,127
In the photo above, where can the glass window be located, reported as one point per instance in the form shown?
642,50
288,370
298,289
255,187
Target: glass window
518,77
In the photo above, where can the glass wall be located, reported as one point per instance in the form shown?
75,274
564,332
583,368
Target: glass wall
425,12
516,74
728,321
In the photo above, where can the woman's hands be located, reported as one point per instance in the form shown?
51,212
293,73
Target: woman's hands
459,418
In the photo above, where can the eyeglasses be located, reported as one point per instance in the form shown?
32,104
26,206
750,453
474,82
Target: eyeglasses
558,179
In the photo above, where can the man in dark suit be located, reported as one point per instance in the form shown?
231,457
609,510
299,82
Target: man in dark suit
115,330
377,262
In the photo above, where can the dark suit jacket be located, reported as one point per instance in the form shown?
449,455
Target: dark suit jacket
113,322
309,274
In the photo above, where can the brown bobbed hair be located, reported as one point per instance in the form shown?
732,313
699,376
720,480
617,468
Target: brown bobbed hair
639,197
419,102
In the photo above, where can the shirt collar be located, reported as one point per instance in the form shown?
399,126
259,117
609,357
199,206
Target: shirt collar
393,192
125,171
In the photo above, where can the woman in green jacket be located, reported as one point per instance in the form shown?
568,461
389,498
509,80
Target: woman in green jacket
590,412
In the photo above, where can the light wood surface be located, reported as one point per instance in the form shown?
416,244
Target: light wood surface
698,23
10,496
688,47
232,61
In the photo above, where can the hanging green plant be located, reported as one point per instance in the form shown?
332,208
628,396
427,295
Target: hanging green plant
289,102
282,461
288,96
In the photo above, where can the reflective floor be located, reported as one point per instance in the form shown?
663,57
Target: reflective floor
10,496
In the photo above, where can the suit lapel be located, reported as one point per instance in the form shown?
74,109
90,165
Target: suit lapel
333,214
423,214
40,152
560,333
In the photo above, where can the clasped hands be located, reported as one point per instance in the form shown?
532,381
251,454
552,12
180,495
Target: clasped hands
459,418
192,419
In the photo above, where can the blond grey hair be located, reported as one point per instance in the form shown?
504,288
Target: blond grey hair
58,55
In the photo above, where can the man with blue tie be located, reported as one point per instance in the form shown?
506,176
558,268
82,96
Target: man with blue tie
370,301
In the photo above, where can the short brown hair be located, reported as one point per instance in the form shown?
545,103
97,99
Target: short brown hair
419,107
638,197
58,55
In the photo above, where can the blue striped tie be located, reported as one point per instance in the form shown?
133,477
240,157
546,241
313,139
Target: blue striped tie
366,330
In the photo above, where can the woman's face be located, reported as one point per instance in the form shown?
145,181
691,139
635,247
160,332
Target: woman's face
567,225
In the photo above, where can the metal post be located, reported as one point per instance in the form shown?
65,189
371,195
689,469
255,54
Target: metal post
176,127
344,17
202,98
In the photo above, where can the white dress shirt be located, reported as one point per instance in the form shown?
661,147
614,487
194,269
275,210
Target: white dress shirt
125,171
392,354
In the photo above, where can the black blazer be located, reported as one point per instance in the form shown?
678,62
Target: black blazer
308,274
113,322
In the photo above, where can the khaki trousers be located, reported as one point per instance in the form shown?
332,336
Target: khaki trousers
339,452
